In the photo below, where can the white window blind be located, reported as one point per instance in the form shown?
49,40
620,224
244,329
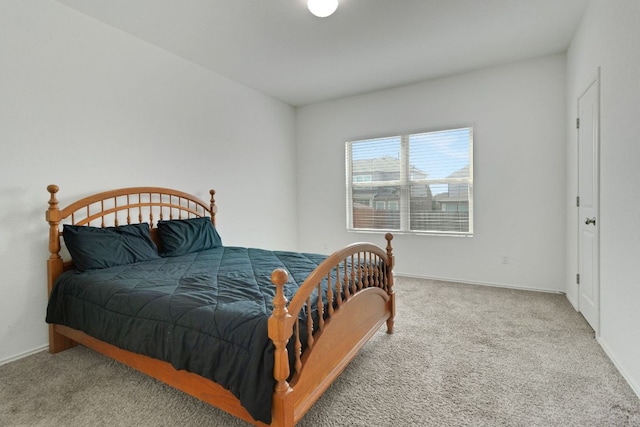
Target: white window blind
421,183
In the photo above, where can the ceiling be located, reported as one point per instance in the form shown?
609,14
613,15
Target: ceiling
277,47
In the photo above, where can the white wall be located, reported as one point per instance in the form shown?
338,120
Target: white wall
518,115
90,108
608,38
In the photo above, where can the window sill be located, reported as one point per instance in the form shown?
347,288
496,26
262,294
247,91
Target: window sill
409,233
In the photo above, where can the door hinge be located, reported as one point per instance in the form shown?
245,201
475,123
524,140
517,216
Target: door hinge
578,123
578,201
578,278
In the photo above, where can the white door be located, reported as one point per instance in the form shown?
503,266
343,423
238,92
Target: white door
588,193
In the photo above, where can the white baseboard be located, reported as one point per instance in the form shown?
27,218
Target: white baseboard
25,354
635,387
572,302
469,282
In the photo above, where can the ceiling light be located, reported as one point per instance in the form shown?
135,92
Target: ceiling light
322,8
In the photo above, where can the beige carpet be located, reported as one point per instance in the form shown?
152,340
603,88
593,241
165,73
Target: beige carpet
461,356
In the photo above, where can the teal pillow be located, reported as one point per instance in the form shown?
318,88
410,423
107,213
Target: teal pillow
183,236
93,248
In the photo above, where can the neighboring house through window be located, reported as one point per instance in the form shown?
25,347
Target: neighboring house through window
421,183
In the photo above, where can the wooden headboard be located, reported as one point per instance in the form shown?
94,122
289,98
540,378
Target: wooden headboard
132,205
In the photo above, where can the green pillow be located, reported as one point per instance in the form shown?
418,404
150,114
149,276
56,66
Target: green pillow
93,248
183,236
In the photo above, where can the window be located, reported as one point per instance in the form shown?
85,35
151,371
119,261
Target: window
417,183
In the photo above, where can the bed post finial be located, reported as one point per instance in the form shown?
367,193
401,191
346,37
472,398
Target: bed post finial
212,207
389,238
52,188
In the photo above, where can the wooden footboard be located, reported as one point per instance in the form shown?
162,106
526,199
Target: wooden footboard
354,285
359,300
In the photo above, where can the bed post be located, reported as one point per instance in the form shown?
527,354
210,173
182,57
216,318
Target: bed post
55,265
212,207
280,329
390,292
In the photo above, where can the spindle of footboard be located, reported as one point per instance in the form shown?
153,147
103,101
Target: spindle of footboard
372,270
359,270
367,269
338,287
329,294
346,284
310,322
358,282
321,307
354,282
353,286
297,347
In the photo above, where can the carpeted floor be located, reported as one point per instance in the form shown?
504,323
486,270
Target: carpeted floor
461,355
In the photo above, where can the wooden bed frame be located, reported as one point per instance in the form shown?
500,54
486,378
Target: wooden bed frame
364,300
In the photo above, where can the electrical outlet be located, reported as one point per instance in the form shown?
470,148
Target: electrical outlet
504,259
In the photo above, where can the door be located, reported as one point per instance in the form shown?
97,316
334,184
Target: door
588,193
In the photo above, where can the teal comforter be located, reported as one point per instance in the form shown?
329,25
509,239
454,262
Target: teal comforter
204,312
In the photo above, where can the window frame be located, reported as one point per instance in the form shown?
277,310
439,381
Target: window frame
405,182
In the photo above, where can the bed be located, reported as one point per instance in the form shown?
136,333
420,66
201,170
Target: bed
257,333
